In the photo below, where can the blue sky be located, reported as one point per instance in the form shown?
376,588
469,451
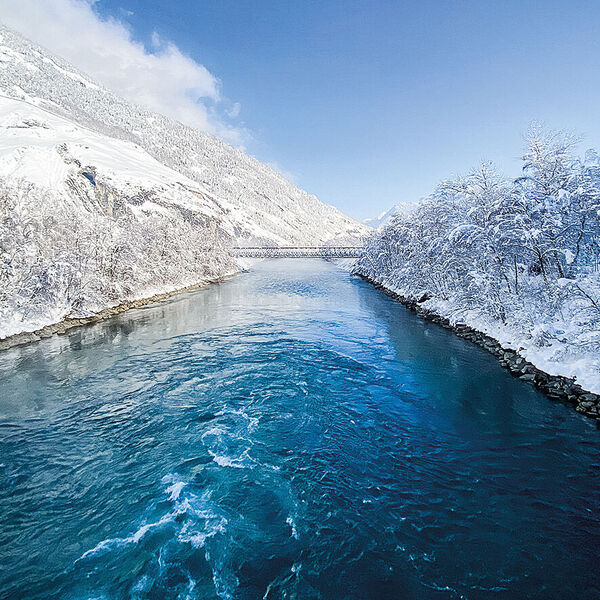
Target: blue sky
367,104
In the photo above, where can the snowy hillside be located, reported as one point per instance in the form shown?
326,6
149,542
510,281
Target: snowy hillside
103,203
88,222
260,203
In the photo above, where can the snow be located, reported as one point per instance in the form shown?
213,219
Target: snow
30,136
71,74
386,216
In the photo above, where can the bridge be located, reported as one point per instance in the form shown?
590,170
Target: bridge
297,251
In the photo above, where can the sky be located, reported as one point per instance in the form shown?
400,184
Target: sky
365,104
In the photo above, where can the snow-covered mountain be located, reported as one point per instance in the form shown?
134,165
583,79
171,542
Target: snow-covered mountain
260,204
103,202
385,217
381,219
88,221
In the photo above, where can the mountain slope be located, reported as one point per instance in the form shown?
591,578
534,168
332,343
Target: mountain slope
260,203
103,203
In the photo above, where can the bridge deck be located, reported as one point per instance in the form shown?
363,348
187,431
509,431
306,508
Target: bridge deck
297,251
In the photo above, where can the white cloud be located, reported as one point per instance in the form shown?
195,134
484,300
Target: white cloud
161,78
235,109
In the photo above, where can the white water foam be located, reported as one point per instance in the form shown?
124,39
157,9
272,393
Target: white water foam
175,489
290,521
111,543
199,506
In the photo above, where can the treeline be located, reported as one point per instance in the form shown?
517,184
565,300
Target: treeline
522,252
59,258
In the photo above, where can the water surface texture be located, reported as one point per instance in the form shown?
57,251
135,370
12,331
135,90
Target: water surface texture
290,433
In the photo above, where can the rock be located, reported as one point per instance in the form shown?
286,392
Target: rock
527,377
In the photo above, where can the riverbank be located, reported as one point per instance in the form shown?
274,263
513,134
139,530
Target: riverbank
556,387
68,323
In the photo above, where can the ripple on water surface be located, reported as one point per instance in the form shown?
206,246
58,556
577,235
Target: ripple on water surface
292,433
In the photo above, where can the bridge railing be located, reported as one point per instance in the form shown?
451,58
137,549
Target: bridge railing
296,251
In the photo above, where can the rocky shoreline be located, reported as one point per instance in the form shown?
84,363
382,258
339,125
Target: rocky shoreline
555,387
64,326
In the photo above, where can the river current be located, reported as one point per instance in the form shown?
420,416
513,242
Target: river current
289,433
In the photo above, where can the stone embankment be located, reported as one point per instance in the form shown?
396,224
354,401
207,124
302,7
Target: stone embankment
555,387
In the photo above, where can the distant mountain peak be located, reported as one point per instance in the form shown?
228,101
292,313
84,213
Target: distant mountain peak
384,218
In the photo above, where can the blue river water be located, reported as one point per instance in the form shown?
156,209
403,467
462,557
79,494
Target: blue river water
289,433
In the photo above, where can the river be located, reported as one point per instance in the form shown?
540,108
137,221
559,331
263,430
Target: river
289,433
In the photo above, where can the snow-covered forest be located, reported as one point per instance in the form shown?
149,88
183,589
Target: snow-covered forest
517,259
88,222
61,261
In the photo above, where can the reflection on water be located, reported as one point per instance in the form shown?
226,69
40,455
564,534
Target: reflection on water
290,433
